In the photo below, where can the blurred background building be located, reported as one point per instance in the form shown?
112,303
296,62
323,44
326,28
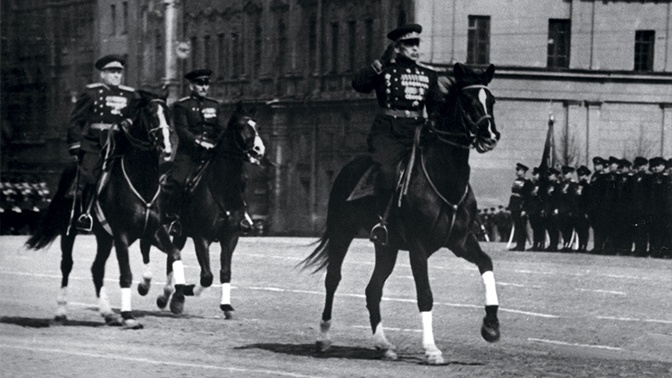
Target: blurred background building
602,68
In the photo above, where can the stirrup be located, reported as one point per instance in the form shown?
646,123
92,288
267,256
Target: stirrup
379,234
84,222
175,228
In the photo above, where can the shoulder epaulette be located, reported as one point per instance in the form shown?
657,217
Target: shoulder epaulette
127,88
211,99
183,99
95,85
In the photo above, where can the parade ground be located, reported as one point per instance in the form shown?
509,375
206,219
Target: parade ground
561,315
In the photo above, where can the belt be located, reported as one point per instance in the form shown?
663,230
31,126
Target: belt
100,126
402,113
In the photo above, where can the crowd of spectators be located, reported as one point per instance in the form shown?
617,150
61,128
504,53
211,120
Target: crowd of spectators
21,205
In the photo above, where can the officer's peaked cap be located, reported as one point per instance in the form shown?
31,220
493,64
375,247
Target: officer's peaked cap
583,171
567,169
521,166
198,74
553,171
536,170
614,160
639,161
599,160
656,161
405,32
624,163
110,61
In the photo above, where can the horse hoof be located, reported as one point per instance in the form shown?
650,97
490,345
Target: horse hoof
143,287
112,320
388,355
490,330
434,358
228,310
132,324
322,346
161,302
177,303
189,290
59,320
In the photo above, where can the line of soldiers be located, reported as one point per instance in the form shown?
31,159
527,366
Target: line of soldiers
627,204
21,204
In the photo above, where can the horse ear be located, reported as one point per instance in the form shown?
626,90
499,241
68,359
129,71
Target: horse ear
489,73
165,91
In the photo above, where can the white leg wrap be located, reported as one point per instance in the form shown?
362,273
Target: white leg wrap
226,293
147,274
125,299
379,339
325,325
62,301
427,330
178,271
103,302
490,289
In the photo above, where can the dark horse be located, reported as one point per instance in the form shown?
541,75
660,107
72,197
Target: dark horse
126,208
438,211
215,208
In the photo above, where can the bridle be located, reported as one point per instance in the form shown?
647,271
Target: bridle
467,124
244,149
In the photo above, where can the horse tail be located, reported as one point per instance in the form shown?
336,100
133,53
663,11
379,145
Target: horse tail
319,259
54,221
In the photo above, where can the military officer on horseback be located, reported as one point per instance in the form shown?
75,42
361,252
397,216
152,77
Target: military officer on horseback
99,109
199,125
404,89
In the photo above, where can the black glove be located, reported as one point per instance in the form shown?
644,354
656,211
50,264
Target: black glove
389,54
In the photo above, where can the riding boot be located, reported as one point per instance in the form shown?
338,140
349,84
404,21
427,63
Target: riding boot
86,194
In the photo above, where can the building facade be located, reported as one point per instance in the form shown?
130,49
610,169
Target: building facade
602,69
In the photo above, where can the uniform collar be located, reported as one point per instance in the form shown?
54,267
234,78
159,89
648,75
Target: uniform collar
405,62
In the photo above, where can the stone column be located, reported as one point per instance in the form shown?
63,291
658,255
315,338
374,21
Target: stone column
577,130
666,130
593,128
280,154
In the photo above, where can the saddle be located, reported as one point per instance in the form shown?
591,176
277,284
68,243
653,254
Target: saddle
366,185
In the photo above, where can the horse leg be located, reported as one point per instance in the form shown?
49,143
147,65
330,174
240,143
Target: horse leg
338,248
225,255
164,244
67,243
472,252
386,258
418,258
146,283
121,243
168,289
202,247
98,272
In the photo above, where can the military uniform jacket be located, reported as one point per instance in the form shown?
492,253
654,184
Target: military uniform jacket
551,196
583,192
534,204
98,105
401,85
520,192
567,198
197,119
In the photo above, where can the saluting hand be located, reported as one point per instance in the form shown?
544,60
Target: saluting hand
389,54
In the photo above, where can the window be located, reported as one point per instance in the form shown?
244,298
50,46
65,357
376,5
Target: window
113,19
207,51
257,48
334,47
368,40
312,46
125,16
235,56
282,46
352,45
478,40
194,53
221,54
644,40
558,43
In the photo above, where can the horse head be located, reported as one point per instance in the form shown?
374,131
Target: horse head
474,106
245,135
151,117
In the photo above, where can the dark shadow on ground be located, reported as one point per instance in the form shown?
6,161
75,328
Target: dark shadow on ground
45,323
346,352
